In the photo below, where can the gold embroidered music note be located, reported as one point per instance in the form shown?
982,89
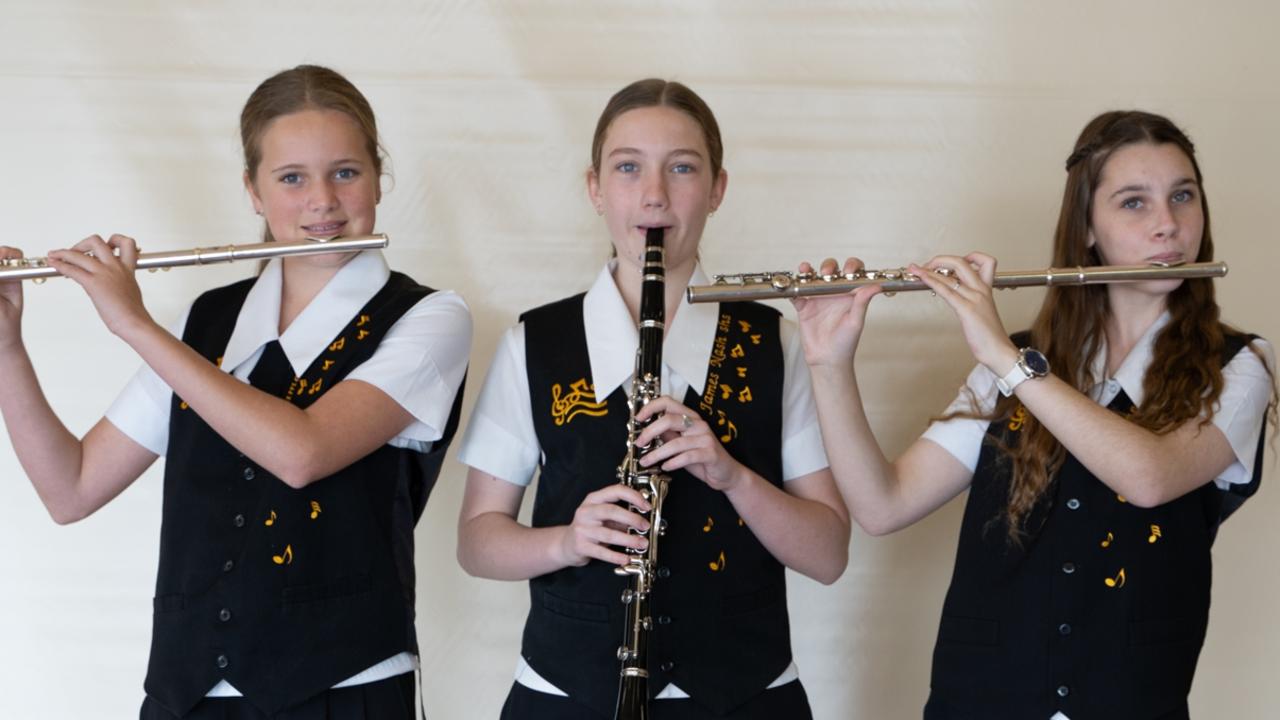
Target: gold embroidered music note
746,326
755,339
315,509
1107,542
1155,534
362,334
745,395
725,391
742,372
737,352
327,364
717,566
338,344
710,524
1018,419
363,319
315,386
271,520
284,559
731,430
1117,581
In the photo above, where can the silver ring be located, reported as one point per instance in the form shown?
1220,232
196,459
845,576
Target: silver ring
686,421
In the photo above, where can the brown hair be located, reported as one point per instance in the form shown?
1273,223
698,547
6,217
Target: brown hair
1185,375
305,87
655,92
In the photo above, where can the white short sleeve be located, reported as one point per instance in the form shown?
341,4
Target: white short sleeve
802,451
962,437
500,438
141,410
421,361
1245,394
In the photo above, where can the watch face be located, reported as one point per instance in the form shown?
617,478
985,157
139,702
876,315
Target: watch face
1036,362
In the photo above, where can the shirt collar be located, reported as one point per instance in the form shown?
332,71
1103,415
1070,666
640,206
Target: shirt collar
612,337
355,283
1131,373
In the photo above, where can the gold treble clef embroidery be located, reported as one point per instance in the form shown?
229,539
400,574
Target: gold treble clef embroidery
580,400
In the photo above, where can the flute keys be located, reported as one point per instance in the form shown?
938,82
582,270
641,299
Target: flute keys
780,281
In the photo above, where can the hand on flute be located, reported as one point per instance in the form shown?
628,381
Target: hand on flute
967,288
105,269
831,325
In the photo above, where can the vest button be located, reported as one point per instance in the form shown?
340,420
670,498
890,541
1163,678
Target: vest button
664,572
224,615
1063,691
1064,629
222,662
1068,567
238,520
1073,504
664,619
228,566
667,666
249,474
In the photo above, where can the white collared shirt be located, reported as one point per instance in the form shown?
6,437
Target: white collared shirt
419,364
1238,412
501,441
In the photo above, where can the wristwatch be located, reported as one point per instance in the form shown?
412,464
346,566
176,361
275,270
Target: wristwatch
1031,364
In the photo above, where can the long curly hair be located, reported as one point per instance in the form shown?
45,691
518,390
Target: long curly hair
1185,375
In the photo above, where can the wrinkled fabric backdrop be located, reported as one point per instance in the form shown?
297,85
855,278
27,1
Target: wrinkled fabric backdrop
893,130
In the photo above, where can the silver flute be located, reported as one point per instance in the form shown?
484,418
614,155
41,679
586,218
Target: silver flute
38,268
772,285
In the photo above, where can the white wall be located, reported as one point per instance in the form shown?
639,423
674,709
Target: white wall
893,130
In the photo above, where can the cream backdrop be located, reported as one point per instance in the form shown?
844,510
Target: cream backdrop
894,130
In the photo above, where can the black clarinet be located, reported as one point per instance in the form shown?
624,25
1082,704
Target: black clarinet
651,483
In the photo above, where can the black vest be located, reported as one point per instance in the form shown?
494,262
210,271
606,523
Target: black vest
283,592
719,602
1101,612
